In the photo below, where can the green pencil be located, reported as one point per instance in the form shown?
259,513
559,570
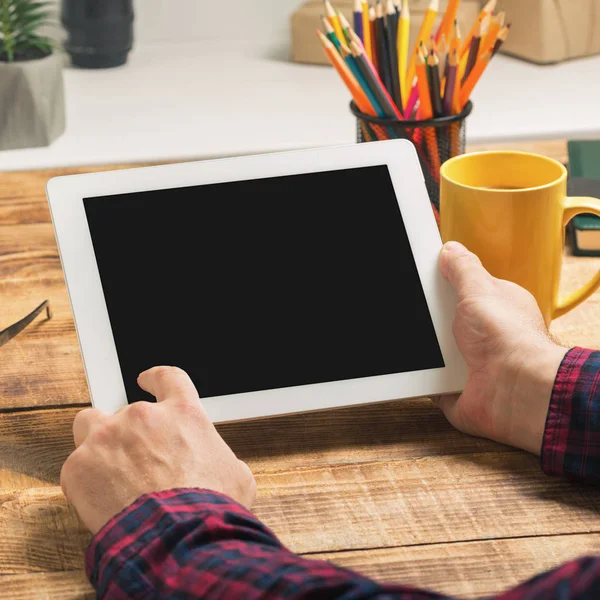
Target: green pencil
330,33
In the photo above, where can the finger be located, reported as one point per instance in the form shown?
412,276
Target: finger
84,422
169,383
463,269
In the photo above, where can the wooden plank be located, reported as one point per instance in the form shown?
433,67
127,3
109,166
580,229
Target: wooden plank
465,570
29,252
42,366
65,585
23,193
471,569
40,532
35,444
33,447
327,509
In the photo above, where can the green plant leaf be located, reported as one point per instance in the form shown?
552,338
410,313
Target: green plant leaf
20,23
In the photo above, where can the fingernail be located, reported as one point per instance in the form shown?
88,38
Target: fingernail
452,246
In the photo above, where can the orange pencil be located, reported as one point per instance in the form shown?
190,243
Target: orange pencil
489,41
455,40
473,78
448,20
424,33
334,20
423,83
486,11
360,98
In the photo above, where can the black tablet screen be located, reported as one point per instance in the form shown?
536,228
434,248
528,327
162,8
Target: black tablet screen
263,284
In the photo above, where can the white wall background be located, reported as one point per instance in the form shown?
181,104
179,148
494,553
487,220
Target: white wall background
191,20
158,21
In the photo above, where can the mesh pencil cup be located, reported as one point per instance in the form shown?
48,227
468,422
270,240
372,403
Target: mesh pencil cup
436,141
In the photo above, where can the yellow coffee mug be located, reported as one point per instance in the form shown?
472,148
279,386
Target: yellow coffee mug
511,209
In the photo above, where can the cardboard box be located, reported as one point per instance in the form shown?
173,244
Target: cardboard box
551,31
306,47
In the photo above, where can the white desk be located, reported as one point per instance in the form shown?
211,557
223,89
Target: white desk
175,102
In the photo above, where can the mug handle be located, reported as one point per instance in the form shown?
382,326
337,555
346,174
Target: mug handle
572,208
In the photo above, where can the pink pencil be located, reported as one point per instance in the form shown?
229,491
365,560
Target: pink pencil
412,99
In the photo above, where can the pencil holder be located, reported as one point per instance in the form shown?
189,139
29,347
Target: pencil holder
436,141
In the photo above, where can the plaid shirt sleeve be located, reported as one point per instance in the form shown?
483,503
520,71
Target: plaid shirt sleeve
190,543
571,443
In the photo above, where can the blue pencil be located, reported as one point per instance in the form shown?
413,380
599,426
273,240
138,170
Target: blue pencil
358,20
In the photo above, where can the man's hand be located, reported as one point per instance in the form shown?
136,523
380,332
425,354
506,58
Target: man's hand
148,448
512,360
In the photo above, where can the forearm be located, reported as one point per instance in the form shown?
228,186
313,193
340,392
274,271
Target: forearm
197,544
571,444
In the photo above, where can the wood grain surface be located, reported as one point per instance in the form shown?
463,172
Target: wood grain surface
389,489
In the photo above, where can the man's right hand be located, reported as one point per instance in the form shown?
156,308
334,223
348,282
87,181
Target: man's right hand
148,448
512,360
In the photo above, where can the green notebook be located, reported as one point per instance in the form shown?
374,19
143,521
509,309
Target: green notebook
584,172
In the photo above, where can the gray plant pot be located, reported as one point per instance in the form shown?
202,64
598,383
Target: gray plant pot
32,103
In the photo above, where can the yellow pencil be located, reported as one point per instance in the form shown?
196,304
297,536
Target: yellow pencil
402,43
334,20
424,33
367,30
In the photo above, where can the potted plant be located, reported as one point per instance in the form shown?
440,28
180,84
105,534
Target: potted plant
32,108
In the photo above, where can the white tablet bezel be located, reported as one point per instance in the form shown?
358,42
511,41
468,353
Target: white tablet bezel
66,194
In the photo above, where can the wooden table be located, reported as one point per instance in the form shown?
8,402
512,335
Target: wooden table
388,489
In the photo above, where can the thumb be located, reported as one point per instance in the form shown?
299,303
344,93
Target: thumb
463,269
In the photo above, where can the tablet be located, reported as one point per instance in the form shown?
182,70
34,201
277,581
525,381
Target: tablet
281,283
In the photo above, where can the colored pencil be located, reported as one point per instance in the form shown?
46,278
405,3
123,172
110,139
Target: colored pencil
383,50
501,39
402,42
473,78
374,81
398,6
486,12
424,96
489,41
391,24
473,52
347,55
450,82
357,93
433,73
412,99
443,48
330,33
426,113
366,29
374,40
334,20
424,33
455,40
445,27
345,28
358,19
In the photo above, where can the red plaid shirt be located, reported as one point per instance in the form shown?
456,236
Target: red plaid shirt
192,543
